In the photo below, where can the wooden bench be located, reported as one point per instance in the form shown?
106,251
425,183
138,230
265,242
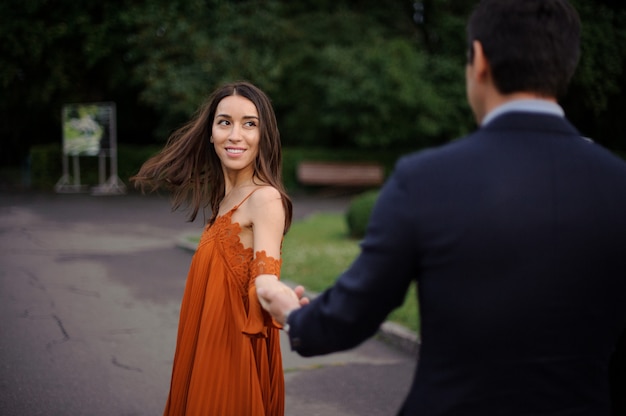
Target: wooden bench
348,174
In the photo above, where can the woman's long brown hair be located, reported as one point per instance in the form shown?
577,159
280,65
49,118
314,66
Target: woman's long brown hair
189,167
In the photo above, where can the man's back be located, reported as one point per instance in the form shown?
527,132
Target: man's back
522,229
515,234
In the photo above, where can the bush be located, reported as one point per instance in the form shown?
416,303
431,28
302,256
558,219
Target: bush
47,165
359,212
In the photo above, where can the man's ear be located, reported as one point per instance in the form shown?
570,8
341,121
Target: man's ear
479,63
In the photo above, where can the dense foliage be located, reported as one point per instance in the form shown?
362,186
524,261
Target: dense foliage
342,74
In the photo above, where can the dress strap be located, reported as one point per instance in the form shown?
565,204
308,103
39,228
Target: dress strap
244,200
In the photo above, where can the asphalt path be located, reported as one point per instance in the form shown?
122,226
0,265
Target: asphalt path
90,290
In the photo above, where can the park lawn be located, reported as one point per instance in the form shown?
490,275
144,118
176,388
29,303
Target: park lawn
317,249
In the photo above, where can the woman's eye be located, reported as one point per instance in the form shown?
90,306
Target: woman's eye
251,124
223,122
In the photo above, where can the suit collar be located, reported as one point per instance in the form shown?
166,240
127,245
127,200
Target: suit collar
525,105
531,121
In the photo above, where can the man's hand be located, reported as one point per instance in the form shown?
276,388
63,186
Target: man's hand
277,298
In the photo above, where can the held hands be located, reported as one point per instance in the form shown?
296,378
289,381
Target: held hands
277,298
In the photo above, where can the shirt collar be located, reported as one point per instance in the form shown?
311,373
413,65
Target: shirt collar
527,106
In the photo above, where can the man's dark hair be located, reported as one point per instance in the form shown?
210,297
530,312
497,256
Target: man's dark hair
531,45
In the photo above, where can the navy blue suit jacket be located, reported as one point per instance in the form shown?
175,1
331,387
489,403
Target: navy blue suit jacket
516,236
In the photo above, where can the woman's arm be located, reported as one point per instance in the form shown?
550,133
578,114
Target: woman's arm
268,221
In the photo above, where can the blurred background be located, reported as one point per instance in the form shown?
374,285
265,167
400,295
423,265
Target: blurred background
349,79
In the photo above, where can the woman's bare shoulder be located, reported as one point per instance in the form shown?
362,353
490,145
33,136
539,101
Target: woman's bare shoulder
266,200
265,193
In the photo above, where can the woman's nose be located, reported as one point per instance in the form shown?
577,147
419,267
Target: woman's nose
235,134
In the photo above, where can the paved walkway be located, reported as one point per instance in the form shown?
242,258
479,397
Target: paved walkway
90,290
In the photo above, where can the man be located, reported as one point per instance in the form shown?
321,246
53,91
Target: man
617,371
515,234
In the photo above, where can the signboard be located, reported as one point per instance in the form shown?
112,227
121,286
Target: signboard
90,129
87,128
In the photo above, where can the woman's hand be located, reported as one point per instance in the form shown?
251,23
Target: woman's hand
277,298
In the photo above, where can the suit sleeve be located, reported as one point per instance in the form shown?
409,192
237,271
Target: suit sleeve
376,283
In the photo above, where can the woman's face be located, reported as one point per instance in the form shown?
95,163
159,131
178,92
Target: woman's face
236,133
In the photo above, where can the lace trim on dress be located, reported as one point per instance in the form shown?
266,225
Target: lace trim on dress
235,254
259,320
264,264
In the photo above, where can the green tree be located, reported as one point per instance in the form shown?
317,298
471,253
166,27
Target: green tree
338,76
595,102
182,50
341,73
54,53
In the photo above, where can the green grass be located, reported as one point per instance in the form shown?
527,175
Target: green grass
317,250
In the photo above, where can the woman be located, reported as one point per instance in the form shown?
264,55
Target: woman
228,158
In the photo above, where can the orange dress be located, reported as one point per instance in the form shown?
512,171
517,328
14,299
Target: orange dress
227,359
